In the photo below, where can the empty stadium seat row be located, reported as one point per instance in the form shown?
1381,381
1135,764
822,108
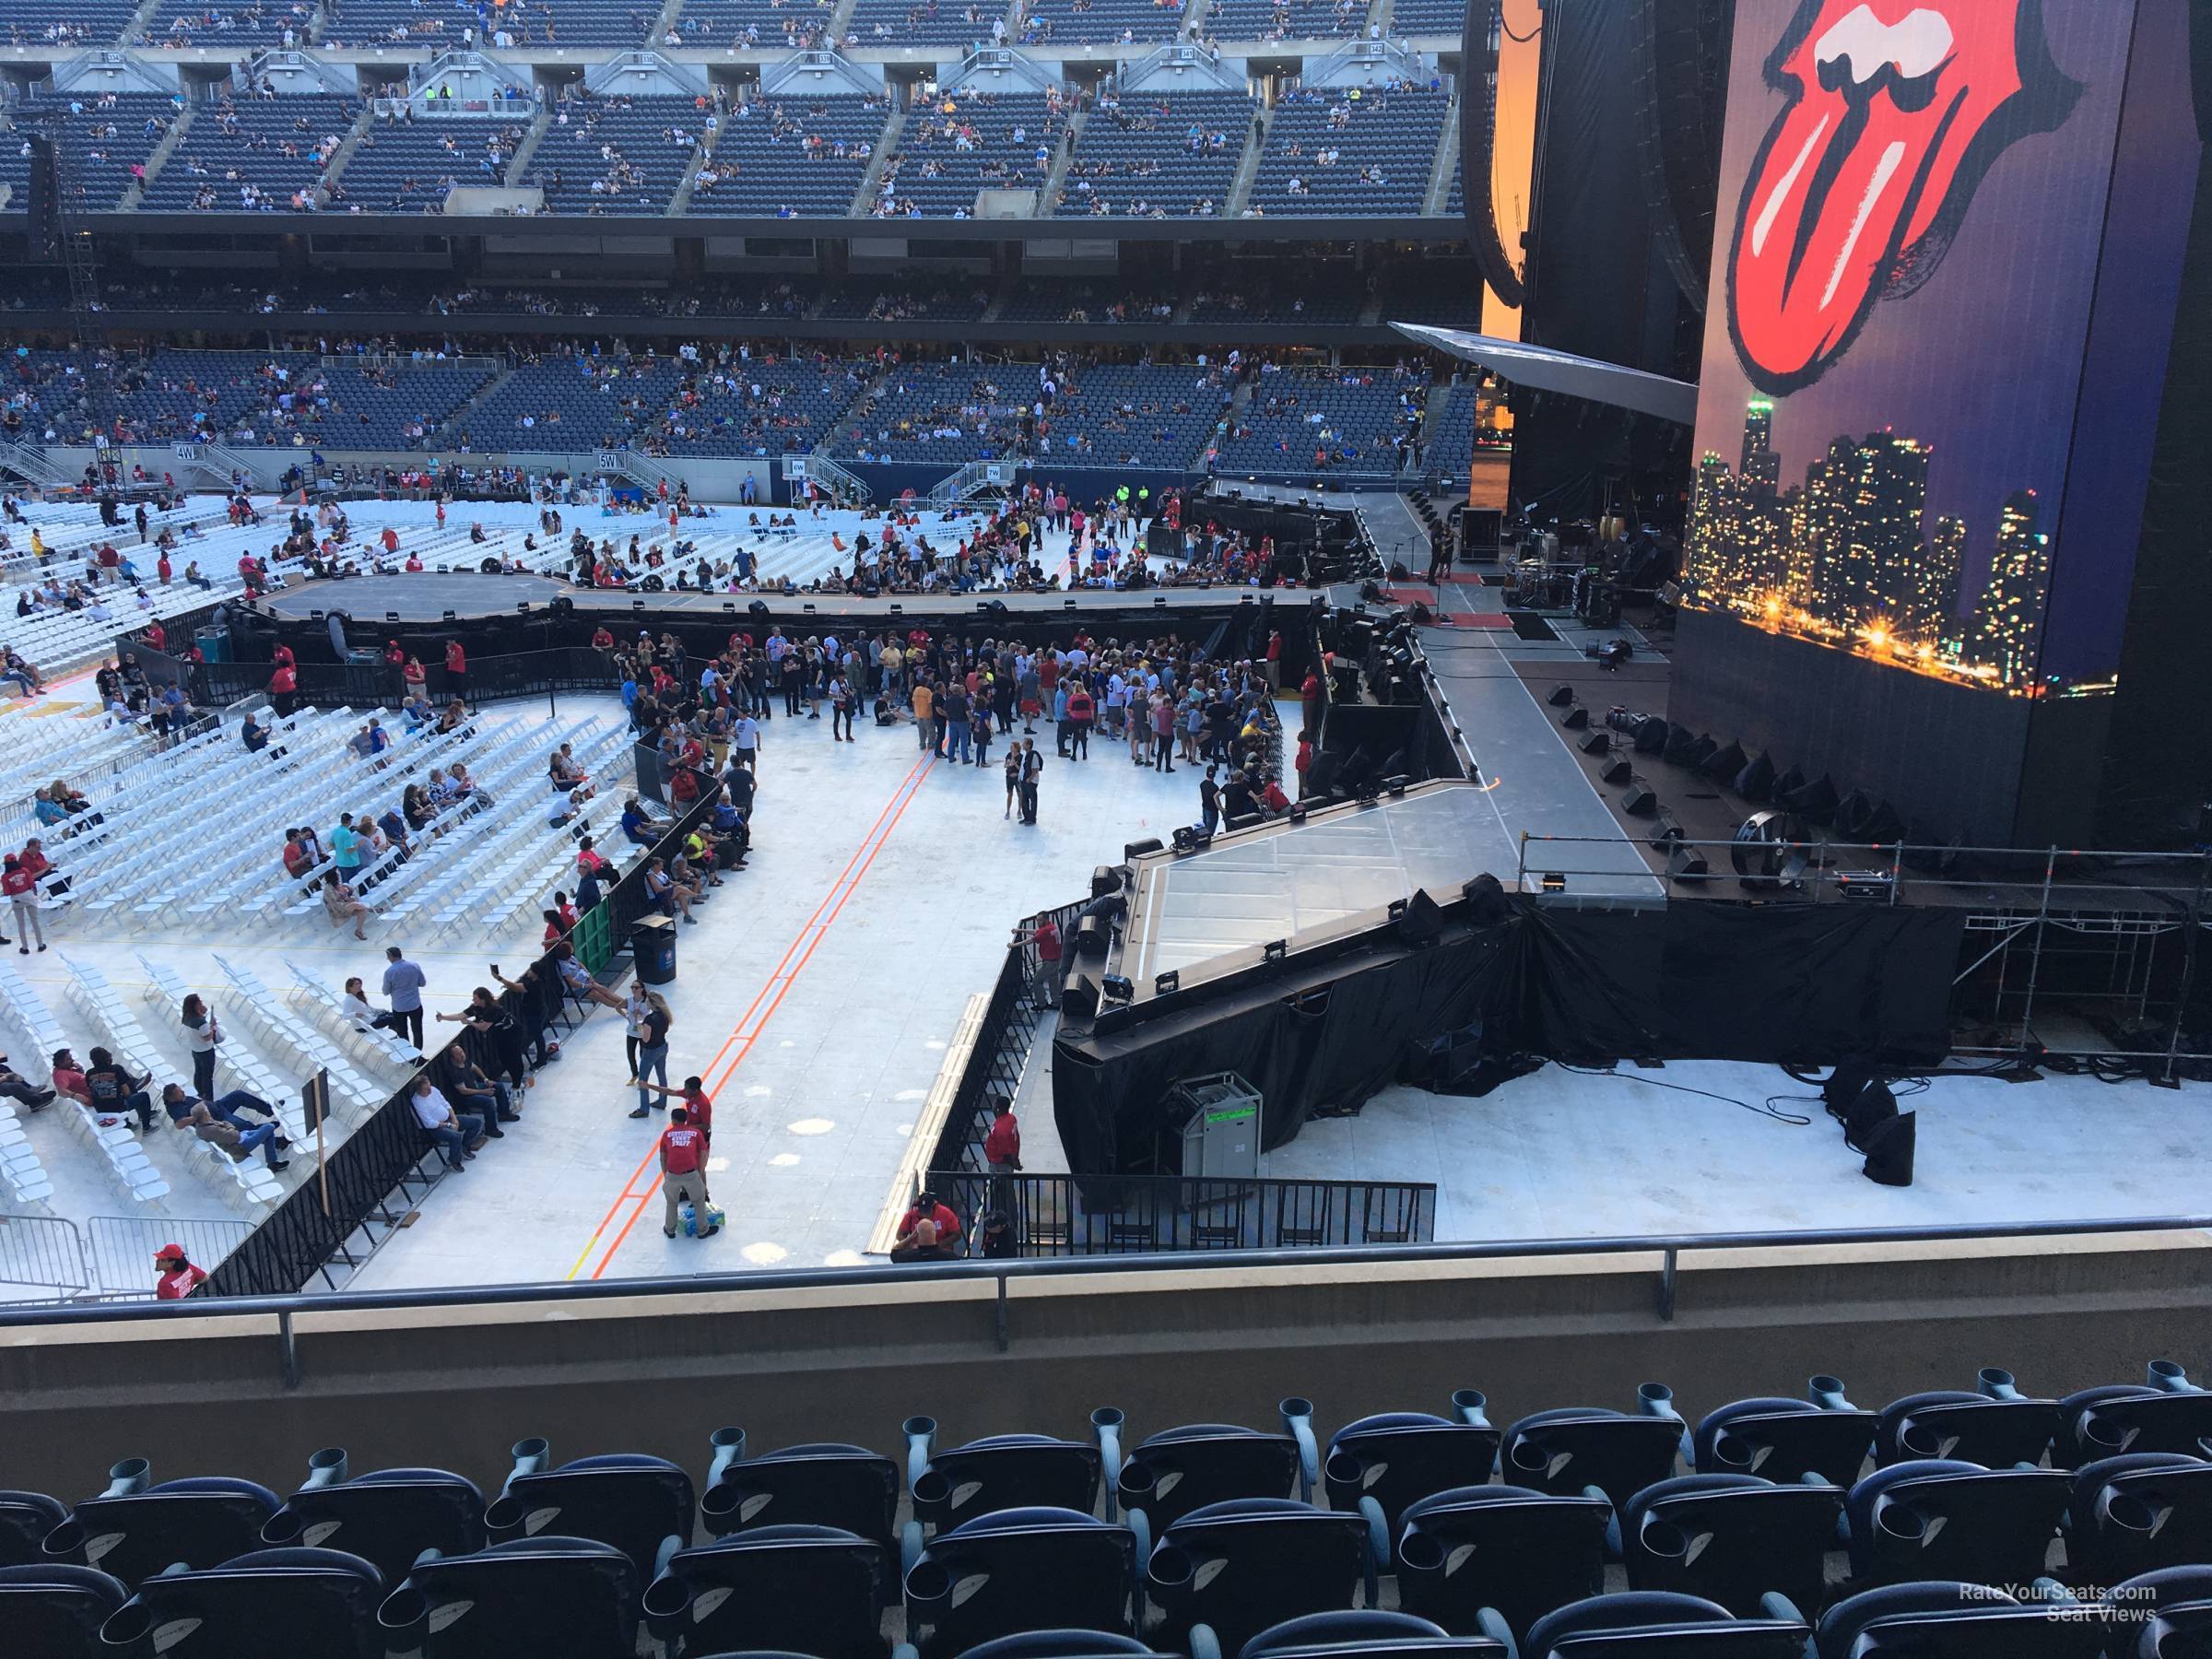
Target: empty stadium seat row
1214,1537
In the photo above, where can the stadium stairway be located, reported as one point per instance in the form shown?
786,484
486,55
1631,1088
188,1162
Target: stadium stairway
887,145
159,155
1239,193
1447,150
1049,194
519,168
335,173
459,421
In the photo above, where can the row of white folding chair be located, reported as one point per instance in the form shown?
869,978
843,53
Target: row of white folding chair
130,776
20,1171
118,1150
57,640
236,1064
111,1135
309,1049
319,1004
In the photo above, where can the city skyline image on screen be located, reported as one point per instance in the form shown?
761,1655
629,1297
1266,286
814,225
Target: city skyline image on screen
1915,198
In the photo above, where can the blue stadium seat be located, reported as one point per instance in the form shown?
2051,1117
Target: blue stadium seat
1731,1538
1947,1519
2168,1414
387,1518
970,141
1652,1625
1178,1470
254,154
789,155
1358,152
819,1590
1369,1633
266,1603
921,22
1398,1458
1996,1426
26,1518
1781,1438
56,1611
1047,23
1353,420
759,25
1241,1566
1286,19
1510,1549
2162,1615
108,133
410,166
619,156
229,25
1951,1620
821,1484
65,23
543,1597
999,1472
1020,1569
2137,1513
143,1529
1571,1448
640,1505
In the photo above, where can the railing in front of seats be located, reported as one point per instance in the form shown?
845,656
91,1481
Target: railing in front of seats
1148,1215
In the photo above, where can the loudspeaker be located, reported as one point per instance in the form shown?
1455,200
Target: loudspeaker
1889,1151
1486,901
1618,770
1875,1106
758,608
43,202
1651,735
1561,696
1578,718
1841,1088
1094,937
1420,923
1137,849
1640,801
1686,863
1105,879
998,607
1597,743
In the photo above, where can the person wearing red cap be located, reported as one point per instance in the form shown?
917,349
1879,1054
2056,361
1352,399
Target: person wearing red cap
178,1278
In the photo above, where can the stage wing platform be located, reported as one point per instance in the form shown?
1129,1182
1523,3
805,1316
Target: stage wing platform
1209,913
431,597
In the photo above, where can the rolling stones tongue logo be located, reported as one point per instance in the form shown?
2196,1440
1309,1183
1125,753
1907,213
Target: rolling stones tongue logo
1896,110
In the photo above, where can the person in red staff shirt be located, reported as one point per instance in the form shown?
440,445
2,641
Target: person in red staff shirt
391,539
683,1155
697,1104
284,688
929,1231
177,1278
1002,1145
601,640
1044,982
456,668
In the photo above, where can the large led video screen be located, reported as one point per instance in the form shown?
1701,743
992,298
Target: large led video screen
1935,322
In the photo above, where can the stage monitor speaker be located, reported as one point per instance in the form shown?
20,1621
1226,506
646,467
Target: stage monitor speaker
1597,743
1094,937
1105,879
1420,923
1561,696
1686,863
1618,770
1640,801
1578,719
1486,901
759,608
1875,1106
43,202
1889,1151
1137,849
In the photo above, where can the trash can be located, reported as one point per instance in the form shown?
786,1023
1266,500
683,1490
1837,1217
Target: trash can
653,944
214,643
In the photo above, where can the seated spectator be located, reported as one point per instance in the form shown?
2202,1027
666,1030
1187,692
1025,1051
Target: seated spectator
343,905
667,895
228,1107
455,1136
365,1016
254,735
240,1143
635,827
17,1087
929,1231
578,978
297,861
115,1093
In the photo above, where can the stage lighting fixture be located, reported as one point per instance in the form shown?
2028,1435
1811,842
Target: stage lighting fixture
1159,602
984,606
1397,786
1168,983
522,604
1189,839
1132,851
1298,812
1554,882
317,615
808,607
1117,988
391,615
1274,950
635,604
898,610
1068,604
1245,600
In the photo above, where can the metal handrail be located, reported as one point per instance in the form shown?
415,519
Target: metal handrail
1668,1245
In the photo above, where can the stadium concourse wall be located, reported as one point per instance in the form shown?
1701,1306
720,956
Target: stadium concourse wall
845,1355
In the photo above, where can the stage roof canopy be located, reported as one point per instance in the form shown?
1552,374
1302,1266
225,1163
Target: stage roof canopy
1557,371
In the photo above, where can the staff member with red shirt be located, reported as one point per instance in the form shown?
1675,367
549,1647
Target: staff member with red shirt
456,668
19,887
179,1278
683,1172
698,1108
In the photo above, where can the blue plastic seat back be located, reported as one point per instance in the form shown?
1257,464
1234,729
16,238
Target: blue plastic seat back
387,1518
2134,1515
1367,1633
267,1604
1970,1427
634,1503
1244,1565
1950,1520
1063,1644
1731,1538
1782,1441
532,1598
1013,1571
1187,1468
1658,1625
55,1610
1007,1472
1945,1619
2105,1422
2165,1614
816,1589
1567,1450
1524,1552
26,1520
201,1521
849,1487
1402,1457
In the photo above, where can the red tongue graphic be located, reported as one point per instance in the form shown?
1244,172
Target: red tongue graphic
1823,218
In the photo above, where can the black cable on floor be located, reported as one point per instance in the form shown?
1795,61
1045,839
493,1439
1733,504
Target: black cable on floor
1765,1109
